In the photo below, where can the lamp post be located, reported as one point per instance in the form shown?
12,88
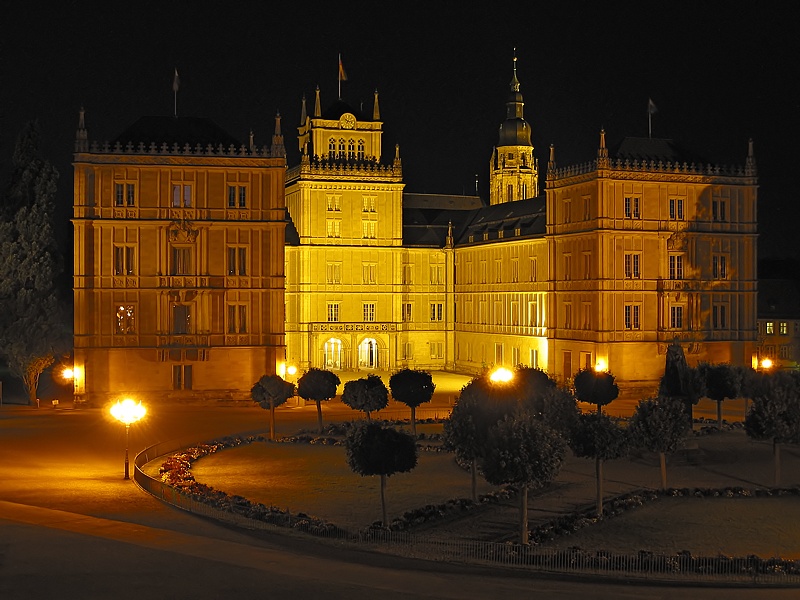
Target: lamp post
127,411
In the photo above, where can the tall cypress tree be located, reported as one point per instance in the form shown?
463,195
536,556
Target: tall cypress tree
34,318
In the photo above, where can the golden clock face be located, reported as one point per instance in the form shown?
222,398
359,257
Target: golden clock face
347,121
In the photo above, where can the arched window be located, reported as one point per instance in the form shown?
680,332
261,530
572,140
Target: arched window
351,149
331,148
360,149
341,148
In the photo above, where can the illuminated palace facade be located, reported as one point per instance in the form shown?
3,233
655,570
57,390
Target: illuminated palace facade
178,262
618,258
202,264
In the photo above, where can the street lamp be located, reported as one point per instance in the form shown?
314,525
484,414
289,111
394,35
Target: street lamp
127,411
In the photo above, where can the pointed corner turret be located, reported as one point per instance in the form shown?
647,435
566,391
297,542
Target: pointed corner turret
303,114
277,148
551,163
750,161
317,104
81,135
602,151
376,111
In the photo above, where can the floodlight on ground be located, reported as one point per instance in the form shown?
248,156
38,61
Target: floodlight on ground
501,375
127,412
600,365
291,370
68,374
766,364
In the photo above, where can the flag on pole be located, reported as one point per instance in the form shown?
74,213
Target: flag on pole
342,74
651,107
176,81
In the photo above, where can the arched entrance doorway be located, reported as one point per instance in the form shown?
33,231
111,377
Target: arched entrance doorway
332,354
368,354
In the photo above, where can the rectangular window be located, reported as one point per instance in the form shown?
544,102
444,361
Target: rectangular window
567,316
586,315
676,317
587,265
119,194
676,266
498,270
719,316
126,320
533,313
368,312
437,311
515,356
515,315
333,273
632,266
333,203
567,211
237,260
124,194
182,377
237,318
484,271
334,228
719,210
631,316
406,312
123,260
437,274
408,350
130,194
533,270
368,229
237,194
567,266
369,273
784,328
499,357
369,204
181,319
632,207
770,328
785,351
437,349
514,270
719,266
586,210
498,313
408,274
676,209
333,312
534,358
181,195
181,261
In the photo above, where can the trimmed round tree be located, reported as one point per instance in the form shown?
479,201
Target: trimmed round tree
721,381
523,452
775,415
318,385
595,387
376,450
412,388
368,394
598,436
680,380
659,425
478,408
271,391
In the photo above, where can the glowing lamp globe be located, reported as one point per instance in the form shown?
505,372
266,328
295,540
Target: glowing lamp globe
501,375
127,411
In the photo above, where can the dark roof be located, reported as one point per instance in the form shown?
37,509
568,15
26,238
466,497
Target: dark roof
778,299
526,215
290,237
441,201
637,148
176,130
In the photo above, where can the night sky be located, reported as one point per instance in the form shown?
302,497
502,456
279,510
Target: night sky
718,76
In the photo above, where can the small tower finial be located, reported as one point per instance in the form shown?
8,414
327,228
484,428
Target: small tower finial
750,161
376,111
81,135
303,110
277,148
317,109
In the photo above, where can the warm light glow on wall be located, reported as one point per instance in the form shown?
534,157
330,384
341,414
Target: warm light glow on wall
601,365
291,371
766,363
282,369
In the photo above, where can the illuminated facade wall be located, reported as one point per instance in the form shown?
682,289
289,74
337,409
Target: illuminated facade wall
355,296
178,270
644,253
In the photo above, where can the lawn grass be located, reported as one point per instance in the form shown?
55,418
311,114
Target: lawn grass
764,526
